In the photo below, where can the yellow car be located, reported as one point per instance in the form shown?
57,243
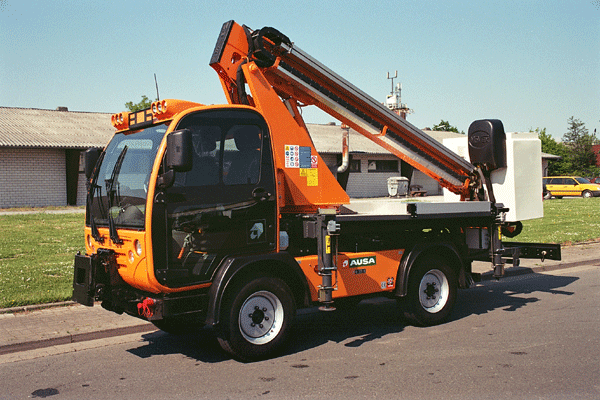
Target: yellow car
559,186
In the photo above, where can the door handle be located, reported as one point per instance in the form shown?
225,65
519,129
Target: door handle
260,194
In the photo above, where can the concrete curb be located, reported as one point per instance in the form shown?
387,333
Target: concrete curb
79,337
35,307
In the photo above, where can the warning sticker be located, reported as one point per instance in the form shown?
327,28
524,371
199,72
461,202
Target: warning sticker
305,159
299,157
312,177
292,156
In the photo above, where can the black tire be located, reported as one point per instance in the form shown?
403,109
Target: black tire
432,287
256,319
587,194
178,325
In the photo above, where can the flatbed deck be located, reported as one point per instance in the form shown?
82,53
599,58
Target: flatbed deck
380,209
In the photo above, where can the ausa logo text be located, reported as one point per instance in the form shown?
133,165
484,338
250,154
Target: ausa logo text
362,262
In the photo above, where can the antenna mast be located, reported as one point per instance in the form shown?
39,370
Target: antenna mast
156,83
394,99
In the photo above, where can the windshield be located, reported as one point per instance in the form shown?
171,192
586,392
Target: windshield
121,186
582,180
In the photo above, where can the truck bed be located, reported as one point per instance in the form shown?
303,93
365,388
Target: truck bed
392,209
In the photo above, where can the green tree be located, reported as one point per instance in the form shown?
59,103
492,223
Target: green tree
579,143
551,146
142,105
446,127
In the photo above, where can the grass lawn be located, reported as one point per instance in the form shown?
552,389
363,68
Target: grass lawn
36,250
36,257
565,221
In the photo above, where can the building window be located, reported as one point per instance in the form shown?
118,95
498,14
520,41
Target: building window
383,166
354,166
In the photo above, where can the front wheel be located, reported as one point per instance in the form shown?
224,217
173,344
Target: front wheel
432,288
257,318
587,194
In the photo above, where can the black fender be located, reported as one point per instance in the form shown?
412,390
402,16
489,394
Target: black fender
281,265
445,249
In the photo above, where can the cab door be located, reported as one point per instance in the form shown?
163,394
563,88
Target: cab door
225,204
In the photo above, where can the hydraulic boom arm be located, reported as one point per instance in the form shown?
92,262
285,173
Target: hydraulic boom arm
299,80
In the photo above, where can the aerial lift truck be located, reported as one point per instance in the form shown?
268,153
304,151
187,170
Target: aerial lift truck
226,216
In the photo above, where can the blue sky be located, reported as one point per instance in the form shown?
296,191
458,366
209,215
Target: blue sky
529,63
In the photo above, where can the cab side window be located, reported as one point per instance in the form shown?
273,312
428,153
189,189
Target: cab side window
205,166
227,154
241,155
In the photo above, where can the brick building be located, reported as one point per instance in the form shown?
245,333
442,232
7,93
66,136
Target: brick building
40,153
596,150
40,157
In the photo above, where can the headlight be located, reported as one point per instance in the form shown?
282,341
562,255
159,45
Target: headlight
138,247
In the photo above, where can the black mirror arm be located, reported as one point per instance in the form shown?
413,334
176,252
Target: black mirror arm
166,180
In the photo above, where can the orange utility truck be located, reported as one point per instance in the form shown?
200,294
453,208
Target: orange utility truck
226,215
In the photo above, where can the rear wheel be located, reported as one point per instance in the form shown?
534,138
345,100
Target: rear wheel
432,288
587,194
257,319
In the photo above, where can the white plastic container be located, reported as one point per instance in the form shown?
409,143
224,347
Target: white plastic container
519,186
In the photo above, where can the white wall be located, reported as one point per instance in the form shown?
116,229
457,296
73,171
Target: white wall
32,177
365,183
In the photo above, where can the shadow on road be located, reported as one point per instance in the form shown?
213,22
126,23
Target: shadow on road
509,294
369,321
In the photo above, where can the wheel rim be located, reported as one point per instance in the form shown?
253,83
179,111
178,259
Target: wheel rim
434,290
261,317
587,194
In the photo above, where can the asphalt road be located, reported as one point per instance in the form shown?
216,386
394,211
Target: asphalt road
531,336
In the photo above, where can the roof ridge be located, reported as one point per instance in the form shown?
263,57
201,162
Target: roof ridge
47,109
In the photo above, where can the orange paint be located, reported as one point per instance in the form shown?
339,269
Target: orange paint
357,273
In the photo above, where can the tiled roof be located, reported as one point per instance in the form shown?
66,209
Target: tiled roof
30,127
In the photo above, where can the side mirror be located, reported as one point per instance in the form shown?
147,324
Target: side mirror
90,158
178,157
179,150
